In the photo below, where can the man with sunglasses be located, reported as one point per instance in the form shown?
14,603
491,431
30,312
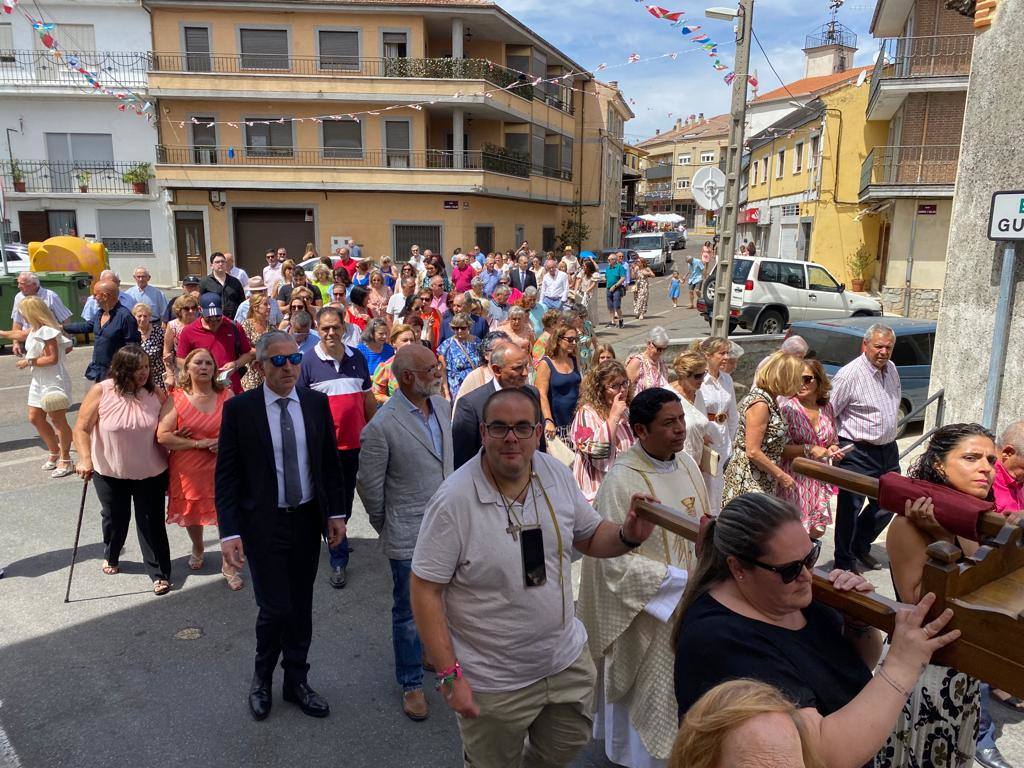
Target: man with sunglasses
636,707
341,372
277,489
492,593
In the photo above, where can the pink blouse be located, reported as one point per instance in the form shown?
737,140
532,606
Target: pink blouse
123,441
596,448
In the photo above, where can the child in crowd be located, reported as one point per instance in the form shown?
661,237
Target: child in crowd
673,288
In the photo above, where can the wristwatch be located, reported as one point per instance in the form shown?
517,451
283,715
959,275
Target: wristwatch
626,542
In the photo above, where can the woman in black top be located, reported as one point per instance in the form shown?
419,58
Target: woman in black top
748,613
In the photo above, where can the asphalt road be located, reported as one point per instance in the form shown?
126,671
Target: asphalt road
119,677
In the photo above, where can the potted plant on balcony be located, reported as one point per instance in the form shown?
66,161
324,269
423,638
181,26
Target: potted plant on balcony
138,176
858,264
17,176
83,178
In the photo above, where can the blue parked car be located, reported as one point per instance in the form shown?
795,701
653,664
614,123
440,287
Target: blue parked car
837,342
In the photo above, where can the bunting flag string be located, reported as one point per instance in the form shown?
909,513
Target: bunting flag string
9,5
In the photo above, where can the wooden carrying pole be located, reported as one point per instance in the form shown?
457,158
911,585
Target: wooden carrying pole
986,593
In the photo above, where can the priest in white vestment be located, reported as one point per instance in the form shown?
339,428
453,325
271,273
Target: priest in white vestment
628,603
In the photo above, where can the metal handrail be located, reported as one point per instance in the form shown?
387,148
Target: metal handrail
910,164
111,69
922,56
82,176
940,413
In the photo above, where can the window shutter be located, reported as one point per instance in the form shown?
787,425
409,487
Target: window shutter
396,141
197,49
342,138
264,48
339,50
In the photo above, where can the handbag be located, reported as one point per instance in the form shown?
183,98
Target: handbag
709,459
557,449
54,399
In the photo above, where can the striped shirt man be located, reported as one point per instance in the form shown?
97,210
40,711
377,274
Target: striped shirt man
866,401
346,383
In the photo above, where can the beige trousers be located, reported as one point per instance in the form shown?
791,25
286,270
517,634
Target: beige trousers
543,725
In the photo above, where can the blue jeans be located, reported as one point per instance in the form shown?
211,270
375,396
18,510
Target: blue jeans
339,554
986,728
408,650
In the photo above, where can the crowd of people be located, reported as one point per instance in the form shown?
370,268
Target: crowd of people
491,439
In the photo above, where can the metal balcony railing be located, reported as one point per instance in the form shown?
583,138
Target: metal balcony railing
915,57
658,192
328,157
658,172
112,69
907,165
90,177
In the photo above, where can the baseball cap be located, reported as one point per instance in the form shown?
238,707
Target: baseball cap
210,305
191,280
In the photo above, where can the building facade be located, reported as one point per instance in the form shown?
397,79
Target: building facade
69,145
391,124
918,92
632,173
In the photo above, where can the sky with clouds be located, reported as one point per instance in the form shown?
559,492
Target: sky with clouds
592,32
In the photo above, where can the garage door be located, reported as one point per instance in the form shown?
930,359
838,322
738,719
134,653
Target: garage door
787,241
259,229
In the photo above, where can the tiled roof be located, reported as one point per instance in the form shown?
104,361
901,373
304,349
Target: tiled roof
712,126
810,85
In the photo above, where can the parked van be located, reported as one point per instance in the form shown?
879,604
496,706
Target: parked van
653,247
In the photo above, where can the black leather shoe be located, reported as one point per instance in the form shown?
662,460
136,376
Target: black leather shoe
338,578
309,701
869,561
991,758
260,698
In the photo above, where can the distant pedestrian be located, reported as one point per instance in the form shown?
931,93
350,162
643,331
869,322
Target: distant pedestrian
458,355
694,280
674,288
615,287
642,275
145,293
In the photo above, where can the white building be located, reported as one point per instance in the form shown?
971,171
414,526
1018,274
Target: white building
67,145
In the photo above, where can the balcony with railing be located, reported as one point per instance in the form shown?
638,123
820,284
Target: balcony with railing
658,172
658,192
909,171
905,65
43,177
22,70
177,73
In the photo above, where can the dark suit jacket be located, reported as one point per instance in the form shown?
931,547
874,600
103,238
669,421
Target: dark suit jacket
521,285
469,413
246,492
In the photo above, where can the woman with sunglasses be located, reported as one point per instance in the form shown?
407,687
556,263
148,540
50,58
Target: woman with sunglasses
184,308
811,434
748,613
761,436
600,431
558,382
646,368
690,369
254,326
459,355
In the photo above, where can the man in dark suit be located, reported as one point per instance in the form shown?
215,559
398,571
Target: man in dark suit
521,276
511,366
278,516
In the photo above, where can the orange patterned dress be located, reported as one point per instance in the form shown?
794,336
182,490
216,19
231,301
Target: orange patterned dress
190,494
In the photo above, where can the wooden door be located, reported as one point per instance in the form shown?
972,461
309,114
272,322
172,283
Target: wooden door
883,254
34,226
191,238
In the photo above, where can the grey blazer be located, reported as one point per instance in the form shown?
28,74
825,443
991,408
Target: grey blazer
399,471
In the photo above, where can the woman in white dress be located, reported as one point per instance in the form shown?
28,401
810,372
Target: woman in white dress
690,369
720,402
49,394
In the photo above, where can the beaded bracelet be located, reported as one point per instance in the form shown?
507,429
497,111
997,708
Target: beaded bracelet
899,689
448,676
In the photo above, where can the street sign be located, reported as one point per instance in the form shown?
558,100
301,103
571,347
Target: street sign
1006,218
927,210
451,205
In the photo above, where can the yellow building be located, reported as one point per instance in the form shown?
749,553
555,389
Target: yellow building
632,173
392,124
673,158
803,176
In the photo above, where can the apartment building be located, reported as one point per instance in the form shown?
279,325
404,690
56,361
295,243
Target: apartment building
391,123
673,158
632,173
68,146
918,92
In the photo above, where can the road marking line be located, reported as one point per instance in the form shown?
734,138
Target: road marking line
16,386
15,462
8,757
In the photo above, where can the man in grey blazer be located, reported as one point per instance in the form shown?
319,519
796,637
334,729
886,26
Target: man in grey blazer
406,454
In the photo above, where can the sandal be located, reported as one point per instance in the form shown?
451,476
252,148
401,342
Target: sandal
51,463
63,469
235,582
1011,701
161,587
195,562
111,570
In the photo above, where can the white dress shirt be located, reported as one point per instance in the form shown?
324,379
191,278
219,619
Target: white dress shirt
274,419
555,287
50,298
271,275
866,401
151,297
242,275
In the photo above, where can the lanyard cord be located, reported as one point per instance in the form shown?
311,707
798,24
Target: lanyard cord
558,539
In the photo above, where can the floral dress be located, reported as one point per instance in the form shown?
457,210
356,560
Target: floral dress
153,346
810,496
742,475
377,303
641,291
459,360
253,378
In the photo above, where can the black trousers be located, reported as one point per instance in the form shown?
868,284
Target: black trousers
283,559
116,497
857,524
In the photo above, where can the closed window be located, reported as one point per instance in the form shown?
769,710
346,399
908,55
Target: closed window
6,43
339,50
798,157
812,152
567,158
485,238
71,153
197,49
764,169
396,45
74,38
820,280
204,140
263,48
684,159
125,231
547,238
683,184
780,163
268,138
784,273
397,144
343,138
537,135
707,157
915,349
791,209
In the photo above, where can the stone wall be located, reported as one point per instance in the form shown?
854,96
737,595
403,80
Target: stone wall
924,302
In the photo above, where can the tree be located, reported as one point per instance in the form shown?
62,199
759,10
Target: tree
574,229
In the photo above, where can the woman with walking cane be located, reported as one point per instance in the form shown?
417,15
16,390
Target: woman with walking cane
115,437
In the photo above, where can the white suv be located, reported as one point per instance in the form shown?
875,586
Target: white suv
769,294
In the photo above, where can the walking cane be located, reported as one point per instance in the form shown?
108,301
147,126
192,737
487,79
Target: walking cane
78,532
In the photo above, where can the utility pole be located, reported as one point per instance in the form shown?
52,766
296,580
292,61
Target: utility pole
733,162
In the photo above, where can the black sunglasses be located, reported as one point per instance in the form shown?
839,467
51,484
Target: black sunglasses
808,379
790,571
295,358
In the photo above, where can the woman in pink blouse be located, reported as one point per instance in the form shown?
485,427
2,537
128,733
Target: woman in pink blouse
601,428
115,436
811,433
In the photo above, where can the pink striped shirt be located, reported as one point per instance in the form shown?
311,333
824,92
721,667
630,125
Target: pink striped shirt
1009,493
866,401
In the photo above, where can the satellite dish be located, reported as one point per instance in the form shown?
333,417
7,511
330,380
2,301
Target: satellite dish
708,187
862,77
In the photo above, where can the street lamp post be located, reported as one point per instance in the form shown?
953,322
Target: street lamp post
734,155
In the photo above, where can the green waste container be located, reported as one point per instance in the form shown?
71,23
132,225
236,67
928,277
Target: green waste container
8,290
74,288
